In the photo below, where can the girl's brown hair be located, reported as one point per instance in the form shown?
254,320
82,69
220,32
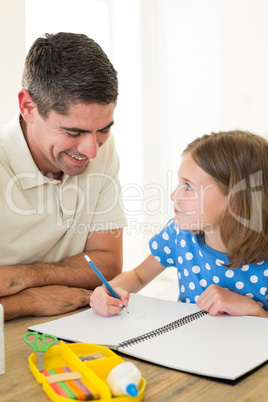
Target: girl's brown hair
238,163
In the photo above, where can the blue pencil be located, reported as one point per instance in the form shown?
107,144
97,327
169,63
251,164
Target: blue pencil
101,277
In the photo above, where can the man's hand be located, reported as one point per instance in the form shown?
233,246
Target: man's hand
45,301
217,300
12,280
104,248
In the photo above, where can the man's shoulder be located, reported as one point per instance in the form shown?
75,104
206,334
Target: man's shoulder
10,132
12,142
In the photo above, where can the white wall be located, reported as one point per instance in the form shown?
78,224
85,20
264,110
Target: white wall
244,43
185,67
12,53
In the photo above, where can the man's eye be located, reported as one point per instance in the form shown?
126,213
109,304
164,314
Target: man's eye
72,135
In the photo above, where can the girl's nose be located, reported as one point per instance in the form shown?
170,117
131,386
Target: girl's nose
175,196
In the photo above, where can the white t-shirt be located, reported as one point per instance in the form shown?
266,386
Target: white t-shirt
47,220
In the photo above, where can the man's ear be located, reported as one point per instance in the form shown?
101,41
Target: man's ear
26,105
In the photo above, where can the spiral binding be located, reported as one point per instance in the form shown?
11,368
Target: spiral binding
162,330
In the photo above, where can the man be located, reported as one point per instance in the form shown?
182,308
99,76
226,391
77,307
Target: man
59,190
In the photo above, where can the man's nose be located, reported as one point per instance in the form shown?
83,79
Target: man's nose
88,146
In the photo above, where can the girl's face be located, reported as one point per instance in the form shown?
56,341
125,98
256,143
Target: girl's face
199,204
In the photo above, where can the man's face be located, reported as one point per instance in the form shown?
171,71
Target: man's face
67,143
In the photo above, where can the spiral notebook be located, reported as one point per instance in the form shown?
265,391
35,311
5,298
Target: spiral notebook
171,334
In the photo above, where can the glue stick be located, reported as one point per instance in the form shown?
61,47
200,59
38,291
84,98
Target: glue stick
124,379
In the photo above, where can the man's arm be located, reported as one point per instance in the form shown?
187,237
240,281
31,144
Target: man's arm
104,248
44,301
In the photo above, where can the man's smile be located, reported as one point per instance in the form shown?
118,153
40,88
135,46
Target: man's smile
79,160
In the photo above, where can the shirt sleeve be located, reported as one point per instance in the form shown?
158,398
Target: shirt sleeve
163,245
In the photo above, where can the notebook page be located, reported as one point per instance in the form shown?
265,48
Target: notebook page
223,346
145,314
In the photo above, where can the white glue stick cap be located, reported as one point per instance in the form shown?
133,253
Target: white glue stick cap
124,379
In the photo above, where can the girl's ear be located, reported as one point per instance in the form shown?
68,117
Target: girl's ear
26,105
232,209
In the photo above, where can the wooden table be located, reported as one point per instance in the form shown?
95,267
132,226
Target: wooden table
19,385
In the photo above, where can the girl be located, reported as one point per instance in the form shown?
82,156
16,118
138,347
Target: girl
218,238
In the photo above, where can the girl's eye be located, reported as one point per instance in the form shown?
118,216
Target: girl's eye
189,187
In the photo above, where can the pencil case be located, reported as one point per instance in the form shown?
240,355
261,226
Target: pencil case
80,371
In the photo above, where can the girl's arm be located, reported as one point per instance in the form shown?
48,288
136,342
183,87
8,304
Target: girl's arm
217,300
127,282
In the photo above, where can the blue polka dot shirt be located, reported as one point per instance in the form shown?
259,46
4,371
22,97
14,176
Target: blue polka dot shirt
199,266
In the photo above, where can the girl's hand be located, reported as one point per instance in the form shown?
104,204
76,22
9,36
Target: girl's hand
104,304
217,300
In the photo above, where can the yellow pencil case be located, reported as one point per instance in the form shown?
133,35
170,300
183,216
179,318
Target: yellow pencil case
78,371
